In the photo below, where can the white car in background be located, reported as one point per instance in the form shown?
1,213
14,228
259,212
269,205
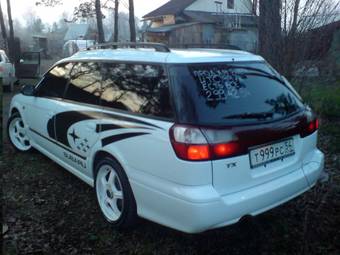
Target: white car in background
7,71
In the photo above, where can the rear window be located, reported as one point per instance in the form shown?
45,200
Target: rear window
231,93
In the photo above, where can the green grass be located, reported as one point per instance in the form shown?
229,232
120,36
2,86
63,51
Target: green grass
324,98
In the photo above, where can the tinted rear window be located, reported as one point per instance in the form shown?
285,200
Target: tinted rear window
231,93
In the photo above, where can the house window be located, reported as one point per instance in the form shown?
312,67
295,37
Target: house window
230,4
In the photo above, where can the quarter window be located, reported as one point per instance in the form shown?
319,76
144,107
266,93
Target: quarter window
85,83
137,88
55,81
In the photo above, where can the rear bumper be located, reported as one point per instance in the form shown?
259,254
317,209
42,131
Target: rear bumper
196,209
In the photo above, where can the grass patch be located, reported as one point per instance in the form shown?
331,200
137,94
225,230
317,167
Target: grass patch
332,130
323,96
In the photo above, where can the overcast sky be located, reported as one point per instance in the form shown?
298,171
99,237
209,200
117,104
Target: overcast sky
48,14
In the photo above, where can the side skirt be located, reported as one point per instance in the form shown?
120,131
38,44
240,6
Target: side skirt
69,168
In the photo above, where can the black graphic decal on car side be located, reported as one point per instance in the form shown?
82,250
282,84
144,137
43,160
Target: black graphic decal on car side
65,120
107,127
116,138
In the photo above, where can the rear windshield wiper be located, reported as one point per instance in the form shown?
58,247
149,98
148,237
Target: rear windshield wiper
260,115
260,73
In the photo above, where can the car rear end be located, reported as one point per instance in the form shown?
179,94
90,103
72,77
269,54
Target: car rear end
7,71
253,128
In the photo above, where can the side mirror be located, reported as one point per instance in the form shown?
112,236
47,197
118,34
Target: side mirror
28,90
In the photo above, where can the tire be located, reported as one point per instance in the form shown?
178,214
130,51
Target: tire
114,194
17,133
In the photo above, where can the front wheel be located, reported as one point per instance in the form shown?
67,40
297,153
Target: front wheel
17,133
114,194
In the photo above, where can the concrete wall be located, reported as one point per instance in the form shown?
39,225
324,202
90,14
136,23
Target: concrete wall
244,39
195,34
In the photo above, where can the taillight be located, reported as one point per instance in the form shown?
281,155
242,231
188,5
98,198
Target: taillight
225,149
199,144
311,127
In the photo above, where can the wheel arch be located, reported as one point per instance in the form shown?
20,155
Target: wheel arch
100,154
14,110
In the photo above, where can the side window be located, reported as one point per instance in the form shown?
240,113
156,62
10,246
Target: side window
138,88
54,82
85,83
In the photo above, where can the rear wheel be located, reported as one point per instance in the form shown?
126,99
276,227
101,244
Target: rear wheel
17,133
114,194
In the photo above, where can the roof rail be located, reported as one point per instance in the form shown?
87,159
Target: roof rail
160,47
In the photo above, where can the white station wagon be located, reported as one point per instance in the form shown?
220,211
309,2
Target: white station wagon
190,139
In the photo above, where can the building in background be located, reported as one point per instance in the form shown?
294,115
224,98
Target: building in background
204,23
80,32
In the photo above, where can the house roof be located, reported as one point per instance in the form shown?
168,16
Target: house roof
172,7
75,31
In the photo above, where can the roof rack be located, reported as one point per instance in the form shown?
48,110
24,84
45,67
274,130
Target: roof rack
160,47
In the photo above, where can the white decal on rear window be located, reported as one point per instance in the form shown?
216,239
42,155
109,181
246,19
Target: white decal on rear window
218,85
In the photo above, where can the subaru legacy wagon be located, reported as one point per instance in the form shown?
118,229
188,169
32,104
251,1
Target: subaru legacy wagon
191,139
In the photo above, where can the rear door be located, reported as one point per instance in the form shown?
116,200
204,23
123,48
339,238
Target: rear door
79,115
260,112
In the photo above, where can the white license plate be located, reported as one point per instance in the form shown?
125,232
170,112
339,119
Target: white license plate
271,152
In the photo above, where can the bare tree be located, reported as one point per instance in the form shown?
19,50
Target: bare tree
99,17
301,18
3,28
270,31
132,21
11,32
115,33
86,9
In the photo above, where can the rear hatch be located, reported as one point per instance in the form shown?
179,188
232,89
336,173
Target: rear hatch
251,106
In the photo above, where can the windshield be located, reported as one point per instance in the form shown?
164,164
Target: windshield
231,93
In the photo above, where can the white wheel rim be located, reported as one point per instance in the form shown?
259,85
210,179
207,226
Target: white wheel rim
18,134
109,193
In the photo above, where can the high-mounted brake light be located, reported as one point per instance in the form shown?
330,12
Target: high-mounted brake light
196,144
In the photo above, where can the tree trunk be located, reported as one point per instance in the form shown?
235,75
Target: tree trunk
99,18
132,21
255,6
3,28
115,34
295,15
11,50
270,31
